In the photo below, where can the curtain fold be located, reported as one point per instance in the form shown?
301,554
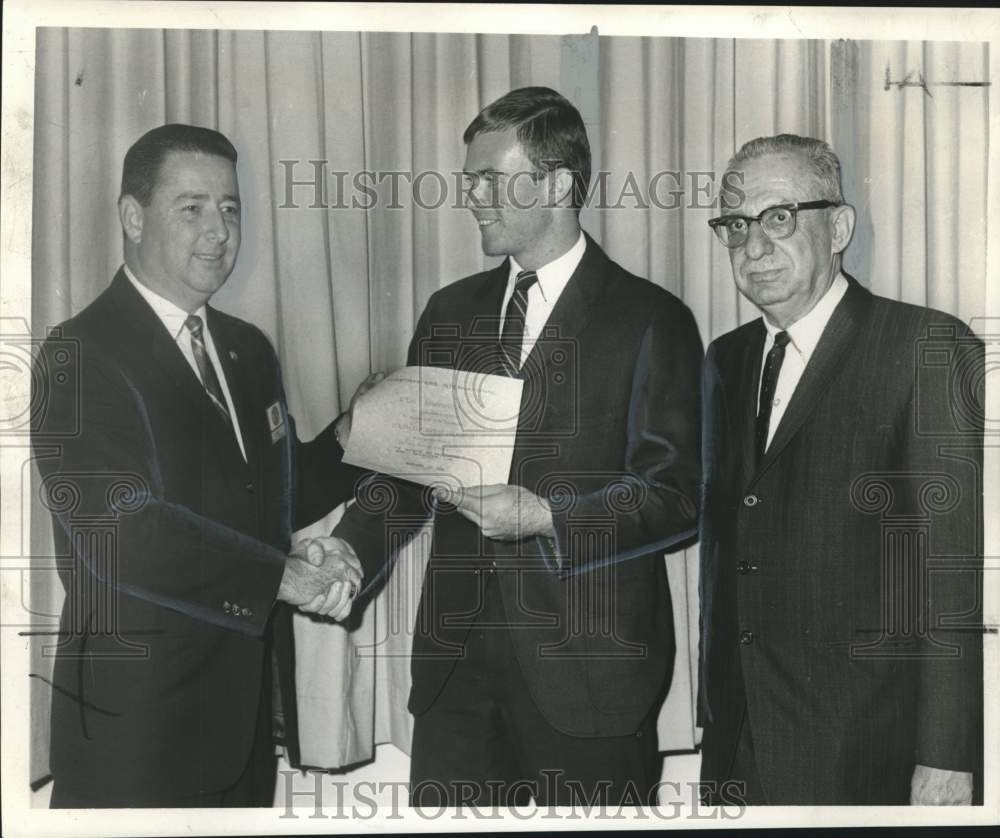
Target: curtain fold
338,131
919,174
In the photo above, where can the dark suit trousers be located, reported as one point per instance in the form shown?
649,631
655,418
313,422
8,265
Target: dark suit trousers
255,786
483,742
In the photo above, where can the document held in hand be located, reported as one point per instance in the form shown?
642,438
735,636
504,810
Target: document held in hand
437,427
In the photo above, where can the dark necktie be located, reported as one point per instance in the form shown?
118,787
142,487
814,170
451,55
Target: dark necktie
512,336
205,367
768,384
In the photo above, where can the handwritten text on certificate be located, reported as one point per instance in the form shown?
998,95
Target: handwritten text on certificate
441,427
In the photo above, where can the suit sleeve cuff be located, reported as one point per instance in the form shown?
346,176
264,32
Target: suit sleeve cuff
247,603
553,547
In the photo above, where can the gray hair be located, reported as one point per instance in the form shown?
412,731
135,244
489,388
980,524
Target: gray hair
818,155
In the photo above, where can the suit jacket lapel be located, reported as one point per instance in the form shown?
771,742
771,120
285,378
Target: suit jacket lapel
572,311
477,345
146,330
570,315
824,365
251,416
748,380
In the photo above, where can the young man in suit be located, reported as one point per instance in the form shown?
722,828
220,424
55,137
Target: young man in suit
544,639
172,428
841,632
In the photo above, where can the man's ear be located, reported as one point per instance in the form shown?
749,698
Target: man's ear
561,184
842,220
130,213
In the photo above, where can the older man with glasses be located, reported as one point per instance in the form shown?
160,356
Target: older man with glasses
841,646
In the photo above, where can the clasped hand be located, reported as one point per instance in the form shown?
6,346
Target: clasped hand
322,576
940,787
506,513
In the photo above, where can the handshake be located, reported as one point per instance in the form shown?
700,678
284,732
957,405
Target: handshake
322,576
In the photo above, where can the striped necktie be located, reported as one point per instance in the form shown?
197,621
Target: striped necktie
206,369
512,336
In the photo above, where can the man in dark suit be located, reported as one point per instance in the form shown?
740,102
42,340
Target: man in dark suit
544,639
175,478
841,626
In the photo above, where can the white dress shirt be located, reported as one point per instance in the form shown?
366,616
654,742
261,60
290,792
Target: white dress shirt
804,334
173,319
543,295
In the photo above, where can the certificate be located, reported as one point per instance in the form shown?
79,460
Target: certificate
437,427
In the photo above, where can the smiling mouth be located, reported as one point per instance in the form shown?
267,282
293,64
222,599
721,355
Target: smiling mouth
205,257
485,222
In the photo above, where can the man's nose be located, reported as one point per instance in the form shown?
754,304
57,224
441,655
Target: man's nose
758,242
482,194
215,225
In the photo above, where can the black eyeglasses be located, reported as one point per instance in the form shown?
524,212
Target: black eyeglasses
778,222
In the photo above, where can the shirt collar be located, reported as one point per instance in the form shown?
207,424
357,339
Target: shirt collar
554,276
807,330
171,315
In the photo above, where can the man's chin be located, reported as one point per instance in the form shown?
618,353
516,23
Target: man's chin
766,293
492,249
210,281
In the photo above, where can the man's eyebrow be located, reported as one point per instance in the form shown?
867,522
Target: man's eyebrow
204,196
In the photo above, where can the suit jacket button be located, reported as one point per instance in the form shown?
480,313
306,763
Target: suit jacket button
751,500
250,487
746,638
477,571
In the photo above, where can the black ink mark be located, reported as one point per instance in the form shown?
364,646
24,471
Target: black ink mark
79,79
41,782
75,698
909,81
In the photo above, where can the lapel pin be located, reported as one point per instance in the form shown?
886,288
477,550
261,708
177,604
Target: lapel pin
233,356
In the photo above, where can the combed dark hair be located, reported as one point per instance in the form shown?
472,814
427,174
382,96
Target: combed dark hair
822,162
144,159
549,129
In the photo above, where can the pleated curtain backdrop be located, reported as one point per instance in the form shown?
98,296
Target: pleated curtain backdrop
338,290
